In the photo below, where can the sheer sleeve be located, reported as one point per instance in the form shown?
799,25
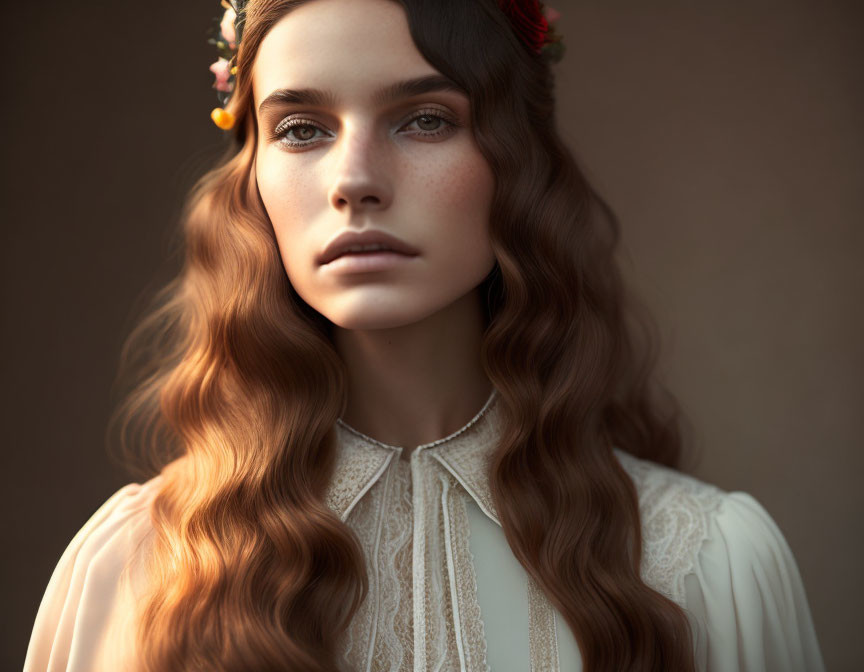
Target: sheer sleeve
84,618
746,597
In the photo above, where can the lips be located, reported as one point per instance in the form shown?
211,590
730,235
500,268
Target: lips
343,242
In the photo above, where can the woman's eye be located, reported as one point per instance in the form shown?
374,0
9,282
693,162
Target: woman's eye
432,124
296,132
301,132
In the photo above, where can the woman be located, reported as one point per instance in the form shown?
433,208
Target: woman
397,416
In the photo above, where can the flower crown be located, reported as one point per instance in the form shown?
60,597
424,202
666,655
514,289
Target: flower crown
531,20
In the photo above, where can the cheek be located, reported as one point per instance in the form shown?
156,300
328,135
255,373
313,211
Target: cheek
464,186
462,203
281,192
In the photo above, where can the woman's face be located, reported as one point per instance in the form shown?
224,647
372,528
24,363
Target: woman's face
352,158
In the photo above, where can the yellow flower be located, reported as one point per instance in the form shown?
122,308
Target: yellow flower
222,118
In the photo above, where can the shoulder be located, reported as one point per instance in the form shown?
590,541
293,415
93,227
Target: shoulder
677,512
701,545
722,557
123,517
90,581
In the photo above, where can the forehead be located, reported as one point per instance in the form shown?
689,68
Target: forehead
346,46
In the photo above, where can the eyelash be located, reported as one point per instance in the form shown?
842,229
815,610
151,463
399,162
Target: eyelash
284,127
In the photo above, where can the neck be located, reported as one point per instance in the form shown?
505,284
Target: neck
414,384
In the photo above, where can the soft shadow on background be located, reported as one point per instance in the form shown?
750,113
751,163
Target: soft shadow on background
728,139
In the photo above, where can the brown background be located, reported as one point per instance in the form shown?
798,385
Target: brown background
728,139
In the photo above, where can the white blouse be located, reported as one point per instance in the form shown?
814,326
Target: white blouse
445,590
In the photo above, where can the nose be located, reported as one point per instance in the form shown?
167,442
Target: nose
361,179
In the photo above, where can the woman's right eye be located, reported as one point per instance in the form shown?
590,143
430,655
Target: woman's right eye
301,130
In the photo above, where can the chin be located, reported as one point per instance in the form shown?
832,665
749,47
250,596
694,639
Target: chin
377,315
361,321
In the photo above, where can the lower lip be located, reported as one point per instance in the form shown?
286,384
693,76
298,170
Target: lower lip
367,262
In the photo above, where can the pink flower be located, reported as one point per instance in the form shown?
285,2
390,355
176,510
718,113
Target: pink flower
551,15
227,28
222,71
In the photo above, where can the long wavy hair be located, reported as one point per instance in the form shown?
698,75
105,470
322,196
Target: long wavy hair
235,388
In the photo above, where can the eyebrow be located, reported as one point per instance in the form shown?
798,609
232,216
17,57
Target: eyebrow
325,98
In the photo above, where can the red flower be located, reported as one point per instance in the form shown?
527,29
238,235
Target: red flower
527,20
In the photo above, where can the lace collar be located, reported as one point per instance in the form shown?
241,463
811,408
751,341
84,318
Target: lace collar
464,453
674,508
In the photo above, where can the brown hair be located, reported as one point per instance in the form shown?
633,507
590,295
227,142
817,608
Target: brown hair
237,388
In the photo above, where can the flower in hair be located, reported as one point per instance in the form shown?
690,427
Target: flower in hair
226,27
532,21
552,47
227,32
222,70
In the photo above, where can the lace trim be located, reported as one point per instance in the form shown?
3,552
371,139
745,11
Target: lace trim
675,510
380,636
542,636
436,644
358,468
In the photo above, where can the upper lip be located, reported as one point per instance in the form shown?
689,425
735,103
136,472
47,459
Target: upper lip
343,241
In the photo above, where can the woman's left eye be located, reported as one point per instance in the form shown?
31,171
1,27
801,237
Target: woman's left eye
301,132
425,118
